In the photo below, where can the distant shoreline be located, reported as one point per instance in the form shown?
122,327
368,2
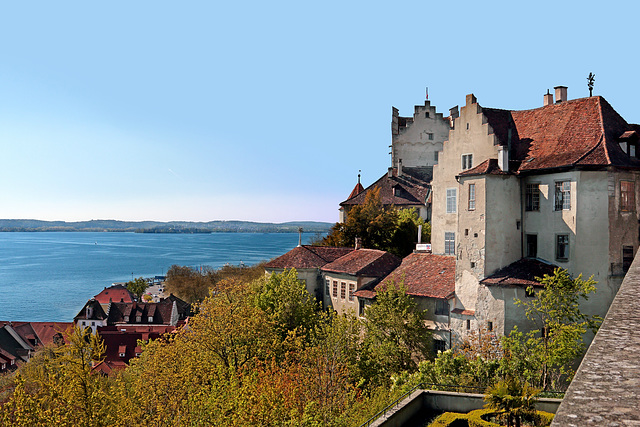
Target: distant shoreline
173,227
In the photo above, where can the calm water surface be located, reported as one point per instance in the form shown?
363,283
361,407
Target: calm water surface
48,276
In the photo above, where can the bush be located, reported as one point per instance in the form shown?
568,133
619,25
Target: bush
479,418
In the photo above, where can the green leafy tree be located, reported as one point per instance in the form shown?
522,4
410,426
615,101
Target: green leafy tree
379,227
546,355
285,300
395,336
137,287
57,387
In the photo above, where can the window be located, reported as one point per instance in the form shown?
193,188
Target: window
343,290
361,307
532,245
627,257
467,161
335,289
632,150
442,307
563,195
327,292
451,200
150,319
468,324
449,243
435,155
532,197
352,289
562,247
627,196
426,114
490,326
430,136
472,197
439,345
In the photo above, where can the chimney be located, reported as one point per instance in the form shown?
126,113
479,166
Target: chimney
561,94
454,113
503,159
419,234
358,243
390,173
399,167
548,99
471,99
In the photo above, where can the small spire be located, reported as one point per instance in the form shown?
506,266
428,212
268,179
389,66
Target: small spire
359,171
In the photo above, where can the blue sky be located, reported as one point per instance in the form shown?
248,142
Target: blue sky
265,111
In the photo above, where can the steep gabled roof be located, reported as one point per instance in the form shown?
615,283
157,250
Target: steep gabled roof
425,275
115,293
520,273
409,189
581,132
356,190
307,256
364,262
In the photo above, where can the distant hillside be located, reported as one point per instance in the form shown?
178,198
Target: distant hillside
164,227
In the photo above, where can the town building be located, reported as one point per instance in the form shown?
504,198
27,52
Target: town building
307,260
18,340
430,280
556,184
168,311
356,270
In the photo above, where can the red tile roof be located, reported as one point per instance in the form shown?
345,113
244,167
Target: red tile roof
364,262
115,293
520,273
425,275
356,190
580,132
488,167
306,256
409,189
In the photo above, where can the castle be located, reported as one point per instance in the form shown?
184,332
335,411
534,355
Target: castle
510,195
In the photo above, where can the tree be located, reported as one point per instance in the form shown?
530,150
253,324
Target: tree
546,355
379,227
285,300
514,400
189,284
137,287
57,386
395,334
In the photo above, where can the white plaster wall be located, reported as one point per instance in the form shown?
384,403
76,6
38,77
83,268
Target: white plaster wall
412,144
503,238
471,228
337,303
470,135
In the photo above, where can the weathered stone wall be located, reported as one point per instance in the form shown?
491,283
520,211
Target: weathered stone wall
606,388
416,143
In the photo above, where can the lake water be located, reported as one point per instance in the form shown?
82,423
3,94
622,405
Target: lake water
48,276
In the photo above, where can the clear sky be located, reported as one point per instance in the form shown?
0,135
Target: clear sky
265,111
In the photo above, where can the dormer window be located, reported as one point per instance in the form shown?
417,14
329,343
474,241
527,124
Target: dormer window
150,319
126,318
138,319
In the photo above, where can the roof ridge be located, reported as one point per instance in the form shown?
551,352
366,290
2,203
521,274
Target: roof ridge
602,138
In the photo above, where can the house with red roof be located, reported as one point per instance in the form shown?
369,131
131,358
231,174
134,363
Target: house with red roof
430,280
516,193
352,272
307,260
